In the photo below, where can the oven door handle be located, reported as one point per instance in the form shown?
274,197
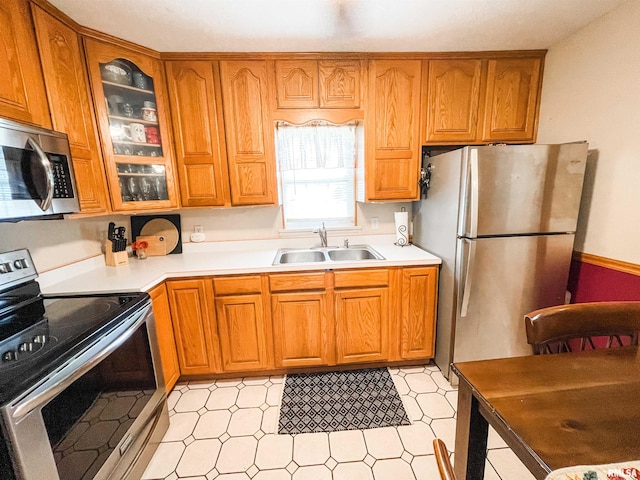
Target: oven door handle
44,203
69,373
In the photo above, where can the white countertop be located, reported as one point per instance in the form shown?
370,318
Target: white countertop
217,258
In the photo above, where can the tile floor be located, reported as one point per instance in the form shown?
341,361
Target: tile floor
226,430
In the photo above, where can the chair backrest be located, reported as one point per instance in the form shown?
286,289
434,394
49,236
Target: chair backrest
442,458
567,328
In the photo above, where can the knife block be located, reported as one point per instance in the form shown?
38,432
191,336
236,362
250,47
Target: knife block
114,259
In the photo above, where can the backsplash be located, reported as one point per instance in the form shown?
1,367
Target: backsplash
55,243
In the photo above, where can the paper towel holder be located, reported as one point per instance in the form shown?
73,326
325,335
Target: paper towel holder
402,229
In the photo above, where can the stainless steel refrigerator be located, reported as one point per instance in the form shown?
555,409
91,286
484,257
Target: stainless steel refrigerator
503,220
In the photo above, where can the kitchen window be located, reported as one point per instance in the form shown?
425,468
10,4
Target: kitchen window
316,170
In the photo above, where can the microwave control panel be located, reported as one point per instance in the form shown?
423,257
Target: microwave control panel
62,186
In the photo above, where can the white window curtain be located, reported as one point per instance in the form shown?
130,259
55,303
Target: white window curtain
316,167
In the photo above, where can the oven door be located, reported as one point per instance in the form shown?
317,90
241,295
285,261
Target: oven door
96,414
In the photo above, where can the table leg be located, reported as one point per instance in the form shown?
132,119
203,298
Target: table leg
471,436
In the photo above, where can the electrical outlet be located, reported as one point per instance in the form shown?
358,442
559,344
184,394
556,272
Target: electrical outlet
375,223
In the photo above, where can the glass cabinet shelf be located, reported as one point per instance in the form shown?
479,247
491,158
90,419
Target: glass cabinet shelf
142,182
131,107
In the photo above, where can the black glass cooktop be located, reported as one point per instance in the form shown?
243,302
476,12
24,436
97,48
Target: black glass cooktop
46,331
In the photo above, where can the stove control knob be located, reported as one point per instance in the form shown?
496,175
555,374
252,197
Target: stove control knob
25,347
41,339
10,356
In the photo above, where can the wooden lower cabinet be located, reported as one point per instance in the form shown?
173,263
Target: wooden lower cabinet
166,338
254,323
301,329
241,325
418,325
362,325
192,311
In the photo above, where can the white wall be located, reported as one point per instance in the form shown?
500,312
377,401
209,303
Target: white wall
54,243
591,91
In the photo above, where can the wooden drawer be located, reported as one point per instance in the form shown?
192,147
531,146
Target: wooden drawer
361,278
297,281
237,285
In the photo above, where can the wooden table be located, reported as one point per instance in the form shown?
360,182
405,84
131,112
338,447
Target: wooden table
552,410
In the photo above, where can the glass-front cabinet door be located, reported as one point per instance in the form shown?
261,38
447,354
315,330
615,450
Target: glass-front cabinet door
128,88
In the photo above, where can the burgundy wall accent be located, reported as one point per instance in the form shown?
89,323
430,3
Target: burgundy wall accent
592,283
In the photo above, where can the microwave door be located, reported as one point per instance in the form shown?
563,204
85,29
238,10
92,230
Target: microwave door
38,175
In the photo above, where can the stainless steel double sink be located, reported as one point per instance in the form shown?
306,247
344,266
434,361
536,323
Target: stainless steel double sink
355,253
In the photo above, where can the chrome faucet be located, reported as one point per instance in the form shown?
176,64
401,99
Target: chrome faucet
322,232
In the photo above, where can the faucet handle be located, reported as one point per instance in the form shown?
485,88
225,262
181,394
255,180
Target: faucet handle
346,243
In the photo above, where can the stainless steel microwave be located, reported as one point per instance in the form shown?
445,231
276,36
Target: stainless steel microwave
36,173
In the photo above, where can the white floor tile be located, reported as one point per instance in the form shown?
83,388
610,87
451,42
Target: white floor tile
508,465
421,383
212,424
442,382
425,467
494,440
435,405
192,400
237,454
352,471
199,458
270,420
255,380
445,429
311,448
164,461
222,398
412,408
252,396
347,446
279,474
417,439
245,421
274,451
181,425
226,430
392,469
316,472
383,442
274,394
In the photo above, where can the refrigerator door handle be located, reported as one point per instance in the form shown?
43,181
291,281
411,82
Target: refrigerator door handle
468,277
473,207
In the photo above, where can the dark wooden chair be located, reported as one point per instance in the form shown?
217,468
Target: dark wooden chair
442,458
567,328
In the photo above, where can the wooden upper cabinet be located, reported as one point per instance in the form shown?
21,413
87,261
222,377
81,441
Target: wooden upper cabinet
340,83
249,133
318,83
166,338
22,94
453,97
201,157
512,100
392,130
130,99
297,83
71,110
193,316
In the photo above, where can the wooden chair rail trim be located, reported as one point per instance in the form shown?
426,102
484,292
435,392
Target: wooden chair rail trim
611,264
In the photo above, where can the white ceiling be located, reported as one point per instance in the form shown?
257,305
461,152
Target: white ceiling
337,25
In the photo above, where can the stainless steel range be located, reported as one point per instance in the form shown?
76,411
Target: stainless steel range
82,395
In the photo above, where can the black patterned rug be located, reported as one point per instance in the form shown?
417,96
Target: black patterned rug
351,400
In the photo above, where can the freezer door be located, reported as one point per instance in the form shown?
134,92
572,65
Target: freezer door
522,189
499,281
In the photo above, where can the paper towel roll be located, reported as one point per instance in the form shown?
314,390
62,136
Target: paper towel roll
402,228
